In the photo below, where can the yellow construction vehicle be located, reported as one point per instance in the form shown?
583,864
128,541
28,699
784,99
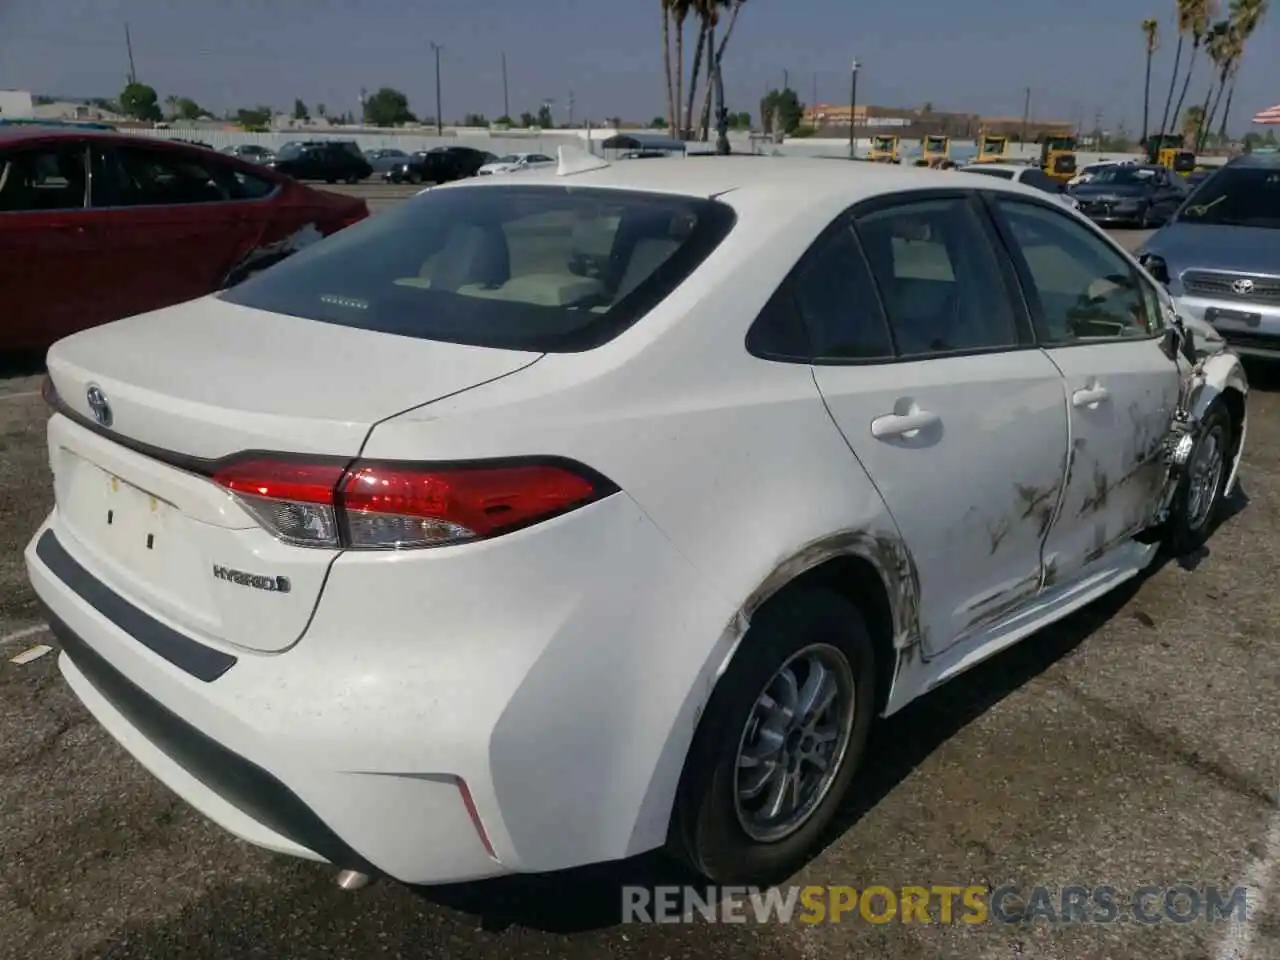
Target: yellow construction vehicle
1168,150
1058,157
884,149
935,149
991,148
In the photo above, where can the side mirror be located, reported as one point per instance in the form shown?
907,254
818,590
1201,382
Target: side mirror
1156,266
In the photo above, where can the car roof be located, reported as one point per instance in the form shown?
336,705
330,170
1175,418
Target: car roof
1261,161
798,181
1015,167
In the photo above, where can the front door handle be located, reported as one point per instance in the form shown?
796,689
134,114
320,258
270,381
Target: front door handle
1090,397
905,425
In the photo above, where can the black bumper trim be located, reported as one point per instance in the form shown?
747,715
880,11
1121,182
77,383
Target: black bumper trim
203,663
239,782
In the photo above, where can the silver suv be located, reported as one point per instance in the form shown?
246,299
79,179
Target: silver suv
1220,254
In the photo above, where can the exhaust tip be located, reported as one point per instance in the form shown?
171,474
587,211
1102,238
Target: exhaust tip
353,880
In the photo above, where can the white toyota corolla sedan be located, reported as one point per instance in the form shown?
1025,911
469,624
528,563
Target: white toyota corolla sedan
540,523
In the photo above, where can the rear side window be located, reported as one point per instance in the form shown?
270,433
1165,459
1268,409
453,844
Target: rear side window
43,178
539,268
939,279
837,299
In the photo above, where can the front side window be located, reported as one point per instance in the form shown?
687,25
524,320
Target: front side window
547,269
939,278
45,178
1085,290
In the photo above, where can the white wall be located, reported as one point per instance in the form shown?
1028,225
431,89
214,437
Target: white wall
16,104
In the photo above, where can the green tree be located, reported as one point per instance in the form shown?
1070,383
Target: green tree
322,110
300,111
782,107
658,123
139,101
188,109
475,120
740,121
254,118
504,121
544,117
527,119
1194,20
387,107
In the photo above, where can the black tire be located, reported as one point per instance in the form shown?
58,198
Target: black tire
1187,529
706,831
353,179
415,177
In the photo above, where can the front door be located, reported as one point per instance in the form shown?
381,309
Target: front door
1099,321
925,361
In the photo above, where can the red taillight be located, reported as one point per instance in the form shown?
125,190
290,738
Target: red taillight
384,506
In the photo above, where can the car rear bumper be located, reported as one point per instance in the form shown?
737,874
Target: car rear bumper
428,728
1250,329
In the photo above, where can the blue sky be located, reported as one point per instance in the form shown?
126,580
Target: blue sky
978,55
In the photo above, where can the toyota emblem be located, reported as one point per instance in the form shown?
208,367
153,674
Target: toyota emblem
97,401
1243,286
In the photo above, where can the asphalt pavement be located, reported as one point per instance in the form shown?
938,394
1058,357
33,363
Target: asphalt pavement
1132,745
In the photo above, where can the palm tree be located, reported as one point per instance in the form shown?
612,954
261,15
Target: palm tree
172,103
1192,118
1149,30
1222,44
714,54
706,11
667,13
1199,15
1184,29
1246,15
679,12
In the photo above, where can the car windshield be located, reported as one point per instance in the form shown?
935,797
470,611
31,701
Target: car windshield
509,158
1236,196
546,269
1122,176
988,172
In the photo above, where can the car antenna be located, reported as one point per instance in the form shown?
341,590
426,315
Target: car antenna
574,159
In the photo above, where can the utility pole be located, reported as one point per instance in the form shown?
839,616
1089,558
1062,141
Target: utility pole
814,102
1097,129
786,80
506,101
436,48
128,45
1026,114
853,100
571,109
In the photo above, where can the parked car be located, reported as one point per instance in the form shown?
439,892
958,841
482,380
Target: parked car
253,152
1023,173
1087,172
383,159
327,160
545,520
1138,195
1220,255
514,161
157,223
439,165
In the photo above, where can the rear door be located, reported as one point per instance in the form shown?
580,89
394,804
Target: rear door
926,362
54,278
171,221
1100,323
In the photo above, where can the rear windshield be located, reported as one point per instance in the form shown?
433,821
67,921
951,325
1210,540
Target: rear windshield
988,172
1236,196
538,268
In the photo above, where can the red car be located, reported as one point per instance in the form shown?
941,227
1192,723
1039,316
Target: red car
96,226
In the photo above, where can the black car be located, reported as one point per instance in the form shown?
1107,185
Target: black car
327,160
1142,195
439,165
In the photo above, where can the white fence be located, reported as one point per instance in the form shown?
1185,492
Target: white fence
546,141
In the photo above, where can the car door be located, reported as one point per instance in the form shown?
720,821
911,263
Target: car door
173,228
1098,319
925,359
54,279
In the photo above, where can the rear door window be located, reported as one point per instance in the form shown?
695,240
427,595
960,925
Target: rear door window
540,268
128,176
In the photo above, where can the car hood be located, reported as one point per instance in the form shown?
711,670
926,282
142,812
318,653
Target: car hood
1095,191
1207,246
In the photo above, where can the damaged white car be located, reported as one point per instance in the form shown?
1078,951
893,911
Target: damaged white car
547,520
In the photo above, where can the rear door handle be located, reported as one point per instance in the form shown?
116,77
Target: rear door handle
903,424
1090,397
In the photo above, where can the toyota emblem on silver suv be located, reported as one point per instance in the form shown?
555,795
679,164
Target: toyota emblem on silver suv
98,404
1243,286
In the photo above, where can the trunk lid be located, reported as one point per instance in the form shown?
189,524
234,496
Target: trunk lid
201,381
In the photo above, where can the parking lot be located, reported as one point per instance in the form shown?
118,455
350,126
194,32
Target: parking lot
1132,745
